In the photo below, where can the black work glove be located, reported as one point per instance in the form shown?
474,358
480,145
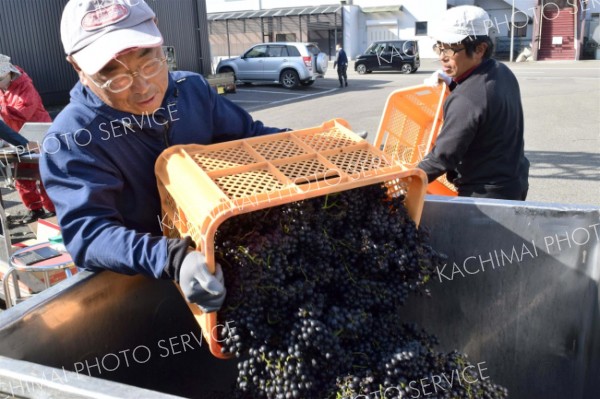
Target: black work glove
199,285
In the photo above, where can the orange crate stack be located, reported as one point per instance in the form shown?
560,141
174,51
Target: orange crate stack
202,186
412,119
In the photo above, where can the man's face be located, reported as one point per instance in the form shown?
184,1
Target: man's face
457,64
144,95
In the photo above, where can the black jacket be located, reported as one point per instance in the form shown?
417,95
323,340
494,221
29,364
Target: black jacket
481,142
341,59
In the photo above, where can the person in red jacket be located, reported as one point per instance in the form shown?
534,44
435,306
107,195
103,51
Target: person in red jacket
19,103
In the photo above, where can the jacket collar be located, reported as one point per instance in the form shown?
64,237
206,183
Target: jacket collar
465,75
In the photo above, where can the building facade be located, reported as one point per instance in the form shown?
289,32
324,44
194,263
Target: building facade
234,25
551,29
554,29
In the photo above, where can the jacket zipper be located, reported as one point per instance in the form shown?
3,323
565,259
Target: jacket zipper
166,135
168,125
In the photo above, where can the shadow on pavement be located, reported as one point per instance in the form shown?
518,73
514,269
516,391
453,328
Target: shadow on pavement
564,165
329,87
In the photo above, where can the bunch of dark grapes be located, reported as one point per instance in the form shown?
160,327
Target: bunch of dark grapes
314,290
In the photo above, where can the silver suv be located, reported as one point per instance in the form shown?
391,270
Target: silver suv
288,63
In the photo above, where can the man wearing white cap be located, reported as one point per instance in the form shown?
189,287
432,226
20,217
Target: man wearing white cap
480,146
99,155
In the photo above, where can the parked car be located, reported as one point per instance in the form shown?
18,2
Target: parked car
388,55
289,63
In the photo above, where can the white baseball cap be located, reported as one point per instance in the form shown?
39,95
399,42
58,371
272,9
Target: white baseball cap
94,31
460,22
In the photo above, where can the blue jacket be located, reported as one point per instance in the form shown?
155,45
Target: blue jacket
10,136
97,166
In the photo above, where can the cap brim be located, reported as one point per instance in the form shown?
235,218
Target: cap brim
7,67
446,37
95,56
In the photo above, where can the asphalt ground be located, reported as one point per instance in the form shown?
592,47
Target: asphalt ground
561,101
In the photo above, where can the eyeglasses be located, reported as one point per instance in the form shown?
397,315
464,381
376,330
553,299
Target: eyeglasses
448,52
124,81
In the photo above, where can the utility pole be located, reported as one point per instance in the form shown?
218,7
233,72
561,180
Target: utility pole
512,31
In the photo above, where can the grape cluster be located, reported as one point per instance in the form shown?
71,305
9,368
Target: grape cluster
314,289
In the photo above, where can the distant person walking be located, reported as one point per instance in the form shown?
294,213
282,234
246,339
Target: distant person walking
341,60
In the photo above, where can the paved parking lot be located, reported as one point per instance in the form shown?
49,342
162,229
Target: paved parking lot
561,101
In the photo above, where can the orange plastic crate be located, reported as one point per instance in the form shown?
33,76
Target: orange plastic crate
202,186
411,121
